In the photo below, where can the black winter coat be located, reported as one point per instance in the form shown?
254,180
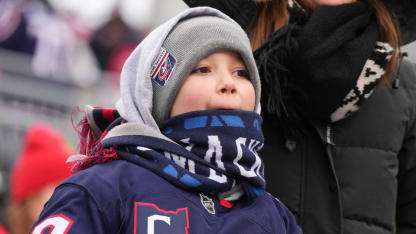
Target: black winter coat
356,176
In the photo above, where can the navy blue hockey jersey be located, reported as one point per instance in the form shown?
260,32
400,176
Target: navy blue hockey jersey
121,197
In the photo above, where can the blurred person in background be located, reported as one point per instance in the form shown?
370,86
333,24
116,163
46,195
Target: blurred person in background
3,230
57,46
112,43
39,168
339,111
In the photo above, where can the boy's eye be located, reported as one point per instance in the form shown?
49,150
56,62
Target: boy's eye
242,73
201,70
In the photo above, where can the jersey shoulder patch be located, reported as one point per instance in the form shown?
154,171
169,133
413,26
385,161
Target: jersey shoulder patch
149,218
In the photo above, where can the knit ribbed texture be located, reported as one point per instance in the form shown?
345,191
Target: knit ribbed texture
191,41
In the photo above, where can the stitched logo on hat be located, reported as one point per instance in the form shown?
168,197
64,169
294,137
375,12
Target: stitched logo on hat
163,67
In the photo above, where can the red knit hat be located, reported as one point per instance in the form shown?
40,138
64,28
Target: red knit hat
42,161
3,230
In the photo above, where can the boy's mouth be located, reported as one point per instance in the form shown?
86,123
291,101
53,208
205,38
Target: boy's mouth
228,108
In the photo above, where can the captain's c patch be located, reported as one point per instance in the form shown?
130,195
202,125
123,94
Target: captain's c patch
149,218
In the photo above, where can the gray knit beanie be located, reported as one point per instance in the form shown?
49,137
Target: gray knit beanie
190,41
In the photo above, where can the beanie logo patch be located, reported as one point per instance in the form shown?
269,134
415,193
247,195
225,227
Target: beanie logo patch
163,67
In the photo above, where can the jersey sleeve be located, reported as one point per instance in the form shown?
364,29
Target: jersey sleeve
289,219
71,209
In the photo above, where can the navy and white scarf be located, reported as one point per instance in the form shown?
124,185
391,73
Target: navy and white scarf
214,151
323,65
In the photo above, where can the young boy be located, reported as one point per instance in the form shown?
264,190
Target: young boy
186,142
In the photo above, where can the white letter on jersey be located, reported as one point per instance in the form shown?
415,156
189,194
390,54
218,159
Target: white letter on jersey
59,224
151,222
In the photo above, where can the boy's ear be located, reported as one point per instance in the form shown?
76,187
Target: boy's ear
244,12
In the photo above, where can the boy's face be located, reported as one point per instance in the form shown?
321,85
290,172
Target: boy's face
219,81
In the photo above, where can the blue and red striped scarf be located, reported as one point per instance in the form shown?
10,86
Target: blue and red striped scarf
213,152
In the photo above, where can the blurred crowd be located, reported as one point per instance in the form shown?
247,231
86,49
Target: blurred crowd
62,47
51,60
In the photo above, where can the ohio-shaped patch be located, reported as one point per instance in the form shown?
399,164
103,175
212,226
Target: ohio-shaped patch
149,218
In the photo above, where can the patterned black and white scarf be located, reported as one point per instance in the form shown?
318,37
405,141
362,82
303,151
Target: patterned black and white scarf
213,152
323,65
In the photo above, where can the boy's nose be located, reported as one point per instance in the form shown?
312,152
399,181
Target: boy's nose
227,84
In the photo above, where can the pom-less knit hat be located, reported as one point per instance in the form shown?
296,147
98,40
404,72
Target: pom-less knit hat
157,68
188,43
41,162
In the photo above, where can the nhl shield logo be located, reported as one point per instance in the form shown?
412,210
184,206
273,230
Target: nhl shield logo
208,203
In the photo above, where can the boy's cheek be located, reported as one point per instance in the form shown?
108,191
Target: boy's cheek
248,97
